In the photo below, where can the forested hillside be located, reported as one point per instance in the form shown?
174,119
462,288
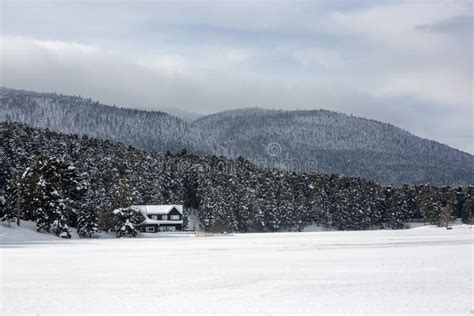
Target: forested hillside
302,141
149,130
331,142
57,179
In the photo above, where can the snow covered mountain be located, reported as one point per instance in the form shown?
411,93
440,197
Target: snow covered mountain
318,140
331,142
149,130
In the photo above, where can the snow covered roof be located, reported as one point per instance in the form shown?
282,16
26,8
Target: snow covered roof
157,209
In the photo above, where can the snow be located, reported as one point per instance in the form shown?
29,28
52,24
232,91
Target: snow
27,234
157,209
120,210
423,270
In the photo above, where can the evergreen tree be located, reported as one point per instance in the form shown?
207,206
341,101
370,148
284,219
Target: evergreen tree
8,207
87,222
268,204
396,208
60,227
87,219
127,222
458,202
468,206
45,191
448,200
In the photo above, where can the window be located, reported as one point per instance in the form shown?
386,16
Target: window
164,217
154,217
175,217
150,229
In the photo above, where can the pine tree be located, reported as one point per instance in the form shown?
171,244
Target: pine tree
255,218
409,194
268,203
458,202
88,220
430,204
447,206
127,222
395,210
44,193
206,205
121,193
8,208
468,206
60,227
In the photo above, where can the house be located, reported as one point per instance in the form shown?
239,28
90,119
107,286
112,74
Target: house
161,217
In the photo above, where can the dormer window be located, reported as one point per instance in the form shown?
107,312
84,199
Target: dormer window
164,217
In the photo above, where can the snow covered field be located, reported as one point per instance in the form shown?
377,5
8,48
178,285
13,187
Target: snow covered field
422,270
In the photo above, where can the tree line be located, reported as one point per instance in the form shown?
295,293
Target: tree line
65,181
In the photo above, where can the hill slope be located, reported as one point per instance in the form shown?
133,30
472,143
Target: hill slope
331,142
319,140
149,130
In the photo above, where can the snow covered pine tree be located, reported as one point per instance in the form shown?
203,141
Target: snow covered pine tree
46,192
87,218
128,222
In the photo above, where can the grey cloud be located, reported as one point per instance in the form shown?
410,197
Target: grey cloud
459,25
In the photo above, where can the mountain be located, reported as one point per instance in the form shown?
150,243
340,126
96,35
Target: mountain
331,142
312,141
151,130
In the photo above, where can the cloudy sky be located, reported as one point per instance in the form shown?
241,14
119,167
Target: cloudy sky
404,62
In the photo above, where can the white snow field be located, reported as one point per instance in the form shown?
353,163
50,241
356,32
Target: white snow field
422,270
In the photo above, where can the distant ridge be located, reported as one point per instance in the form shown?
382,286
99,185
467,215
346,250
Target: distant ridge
151,130
313,140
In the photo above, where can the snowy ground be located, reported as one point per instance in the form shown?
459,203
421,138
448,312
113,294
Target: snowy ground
421,270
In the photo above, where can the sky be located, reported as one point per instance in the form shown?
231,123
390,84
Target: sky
408,63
